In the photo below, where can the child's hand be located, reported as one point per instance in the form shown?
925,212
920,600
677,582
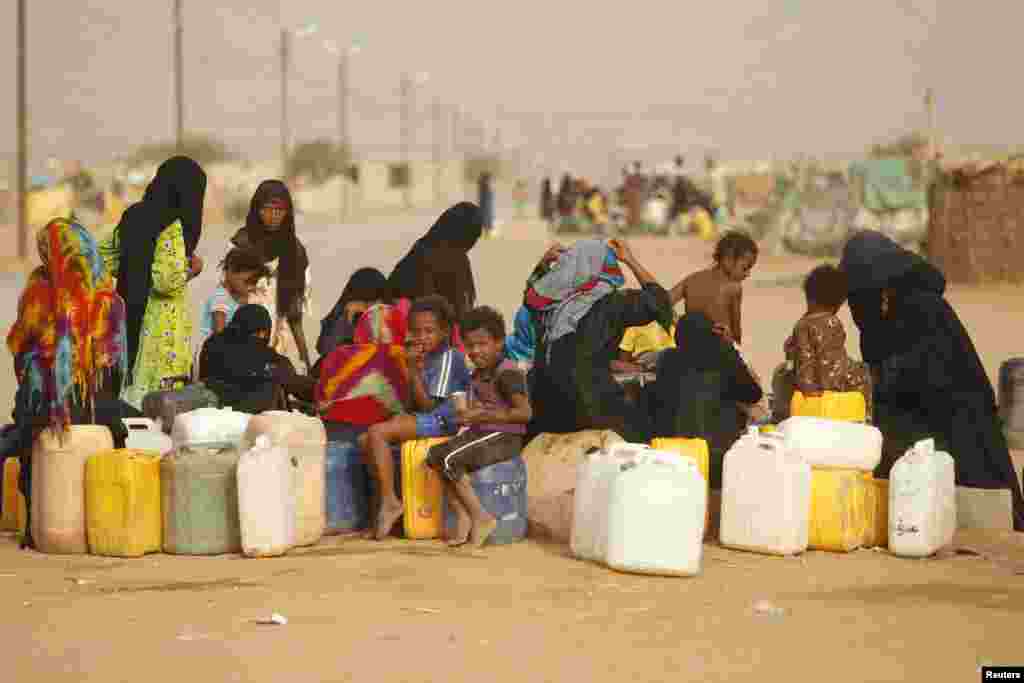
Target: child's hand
723,332
414,356
622,250
468,416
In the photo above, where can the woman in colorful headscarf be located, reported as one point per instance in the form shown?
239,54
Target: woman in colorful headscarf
583,312
367,381
270,231
928,378
152,252
68,344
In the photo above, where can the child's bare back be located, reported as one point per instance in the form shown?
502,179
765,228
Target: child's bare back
714,294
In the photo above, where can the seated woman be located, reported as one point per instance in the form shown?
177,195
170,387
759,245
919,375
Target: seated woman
68,345
366,382
245,373
700,389
521,345
583,313
927,376
366,287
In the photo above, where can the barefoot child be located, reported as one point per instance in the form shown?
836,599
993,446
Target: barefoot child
717,292
437,371
495,422
817,348
242,271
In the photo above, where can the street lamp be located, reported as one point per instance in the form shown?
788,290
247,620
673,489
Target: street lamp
286,38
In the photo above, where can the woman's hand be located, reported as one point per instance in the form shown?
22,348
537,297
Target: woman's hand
195,265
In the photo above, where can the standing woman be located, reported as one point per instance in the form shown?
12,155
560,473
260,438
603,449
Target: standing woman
439,263
270,231
152,251
547,201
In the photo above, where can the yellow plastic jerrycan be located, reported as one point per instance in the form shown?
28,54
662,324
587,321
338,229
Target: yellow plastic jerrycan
122,503
422,491
877,530
696,449
14,513
847,406
838,517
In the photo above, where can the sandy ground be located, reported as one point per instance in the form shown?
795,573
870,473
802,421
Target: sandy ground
404,611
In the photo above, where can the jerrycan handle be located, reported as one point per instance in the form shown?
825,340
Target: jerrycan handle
140,424
925,446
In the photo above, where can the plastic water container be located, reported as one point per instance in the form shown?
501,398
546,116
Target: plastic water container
877,532
14,511
833,444
656,509
847,406
266,499
839,509
501,488
58,487
122,503
590,499
305,439
346,485
209,428
766,496
922,501
422,491
145,434
199,501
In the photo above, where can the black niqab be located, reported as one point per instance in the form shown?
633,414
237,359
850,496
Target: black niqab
175,194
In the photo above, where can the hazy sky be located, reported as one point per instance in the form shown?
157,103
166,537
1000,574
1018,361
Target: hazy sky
817,76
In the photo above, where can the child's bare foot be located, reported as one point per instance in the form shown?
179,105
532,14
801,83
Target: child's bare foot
482,530
389,514
459,535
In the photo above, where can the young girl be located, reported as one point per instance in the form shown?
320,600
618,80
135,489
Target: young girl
495,421
717,292
437,371
817,348
270,231
242,271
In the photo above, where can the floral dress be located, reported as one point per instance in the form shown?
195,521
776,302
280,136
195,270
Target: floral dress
166,339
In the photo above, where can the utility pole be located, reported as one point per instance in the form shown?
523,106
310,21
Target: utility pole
406,94
179,80
438,132
285,49
343,143
22,116
929,103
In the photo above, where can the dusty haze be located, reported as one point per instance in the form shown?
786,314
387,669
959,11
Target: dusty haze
643,79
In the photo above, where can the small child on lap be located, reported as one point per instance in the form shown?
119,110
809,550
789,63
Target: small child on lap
494,425
437,371
817,347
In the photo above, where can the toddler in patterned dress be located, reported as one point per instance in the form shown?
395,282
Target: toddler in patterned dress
817,348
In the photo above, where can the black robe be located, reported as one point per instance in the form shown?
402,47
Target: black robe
928,378
576,390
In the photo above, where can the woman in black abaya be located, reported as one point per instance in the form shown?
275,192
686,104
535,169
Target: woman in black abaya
928,378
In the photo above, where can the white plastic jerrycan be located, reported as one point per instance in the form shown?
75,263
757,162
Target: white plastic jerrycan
656,508
922,501
266,499
145,434
590,500
833,444
209,428
766,497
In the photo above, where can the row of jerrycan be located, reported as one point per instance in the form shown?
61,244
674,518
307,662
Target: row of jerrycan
784,492
640,510
204,497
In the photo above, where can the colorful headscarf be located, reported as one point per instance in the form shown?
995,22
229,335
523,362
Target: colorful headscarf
71,324
365,383
583,275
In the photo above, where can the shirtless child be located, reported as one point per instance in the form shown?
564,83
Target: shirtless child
717,292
